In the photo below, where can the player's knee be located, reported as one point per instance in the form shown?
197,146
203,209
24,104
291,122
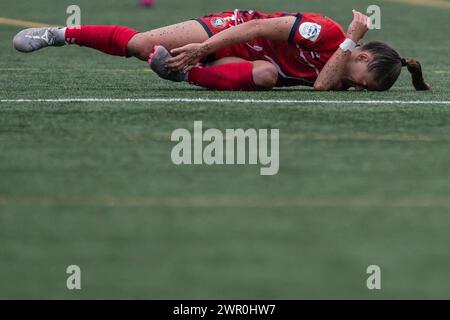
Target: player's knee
138,47
265,75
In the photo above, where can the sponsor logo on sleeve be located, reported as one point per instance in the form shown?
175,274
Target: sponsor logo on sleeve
310,31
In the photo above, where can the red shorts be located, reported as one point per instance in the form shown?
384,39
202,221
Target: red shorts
217,22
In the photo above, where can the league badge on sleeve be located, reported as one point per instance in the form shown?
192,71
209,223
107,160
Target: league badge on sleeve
218,23
310,31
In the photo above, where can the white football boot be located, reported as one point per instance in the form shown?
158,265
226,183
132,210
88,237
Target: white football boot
33,39
158,60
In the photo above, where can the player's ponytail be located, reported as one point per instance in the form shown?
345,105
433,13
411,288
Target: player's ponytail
415,69
387,64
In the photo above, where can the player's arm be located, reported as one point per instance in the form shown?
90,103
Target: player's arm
332,74
271,29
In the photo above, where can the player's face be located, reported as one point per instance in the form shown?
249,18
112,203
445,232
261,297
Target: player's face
358,75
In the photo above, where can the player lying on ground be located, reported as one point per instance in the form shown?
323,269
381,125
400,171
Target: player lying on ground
247,50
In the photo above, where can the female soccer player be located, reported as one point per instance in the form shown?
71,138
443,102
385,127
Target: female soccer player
247,50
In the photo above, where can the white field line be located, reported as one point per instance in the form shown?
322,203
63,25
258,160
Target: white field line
245,101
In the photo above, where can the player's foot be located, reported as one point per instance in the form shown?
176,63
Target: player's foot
158,60
33,39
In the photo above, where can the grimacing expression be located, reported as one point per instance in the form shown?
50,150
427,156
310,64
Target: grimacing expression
358,75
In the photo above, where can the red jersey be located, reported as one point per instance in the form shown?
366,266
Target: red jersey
312,41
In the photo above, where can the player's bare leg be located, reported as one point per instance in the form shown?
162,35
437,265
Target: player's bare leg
114,40
170,37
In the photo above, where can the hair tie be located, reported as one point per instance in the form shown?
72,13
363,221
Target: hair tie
404,63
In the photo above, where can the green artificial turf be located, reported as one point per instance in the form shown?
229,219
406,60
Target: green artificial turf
92,183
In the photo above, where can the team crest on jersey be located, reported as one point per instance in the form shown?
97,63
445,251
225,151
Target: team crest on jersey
218,23
310,31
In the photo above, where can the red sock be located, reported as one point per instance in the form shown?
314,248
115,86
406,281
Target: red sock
231,76
108,39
